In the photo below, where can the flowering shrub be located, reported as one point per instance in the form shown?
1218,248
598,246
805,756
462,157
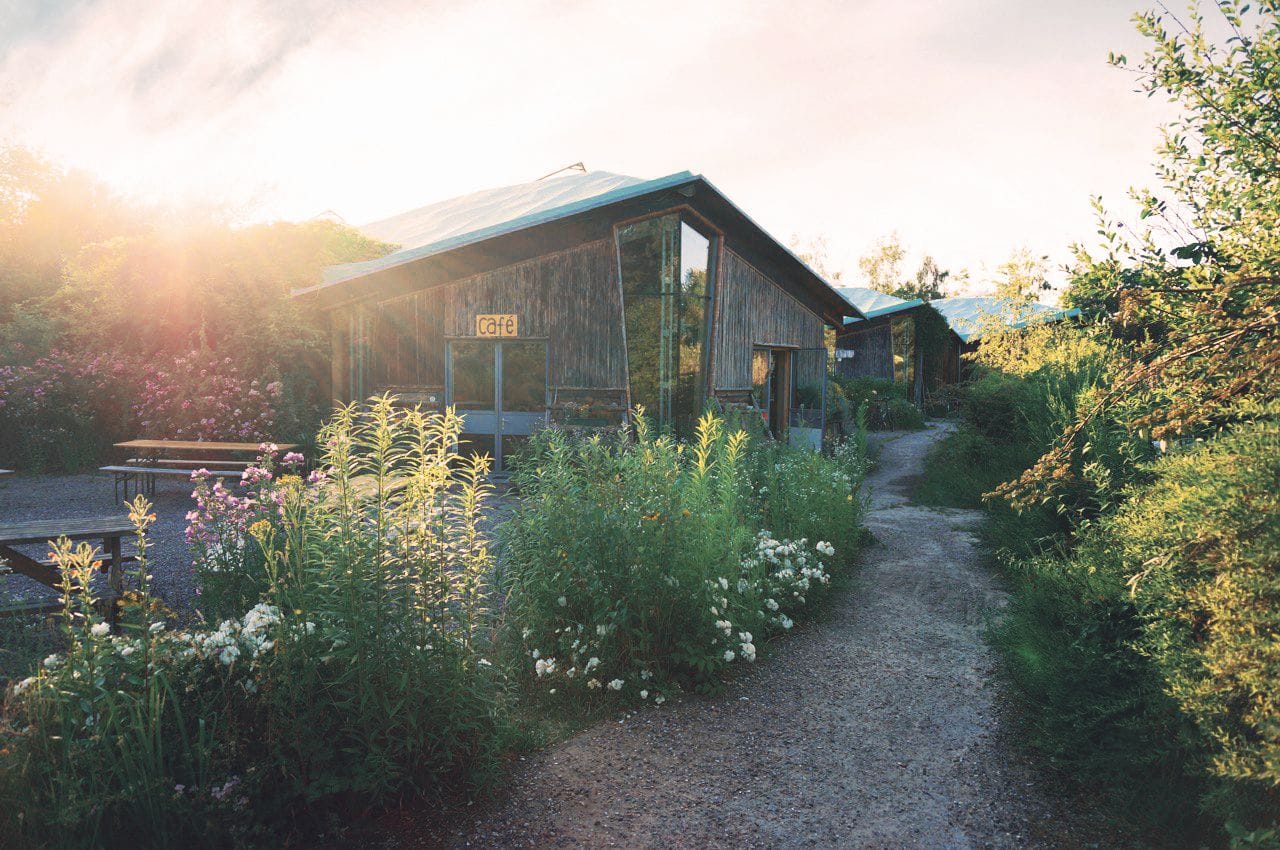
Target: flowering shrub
637,568
202,397
230,569
359,674
63,410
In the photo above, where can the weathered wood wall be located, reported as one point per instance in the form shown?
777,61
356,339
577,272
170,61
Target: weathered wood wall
754,311
570,298
872,353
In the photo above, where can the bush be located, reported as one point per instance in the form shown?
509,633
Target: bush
359,675
641,568
64,410
200,396
1200,550
888,404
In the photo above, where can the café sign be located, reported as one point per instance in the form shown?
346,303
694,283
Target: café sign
498,324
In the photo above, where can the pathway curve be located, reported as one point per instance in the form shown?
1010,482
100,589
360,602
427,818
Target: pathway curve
875,727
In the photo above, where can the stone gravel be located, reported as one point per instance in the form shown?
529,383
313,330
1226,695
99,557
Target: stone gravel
33,497
879,726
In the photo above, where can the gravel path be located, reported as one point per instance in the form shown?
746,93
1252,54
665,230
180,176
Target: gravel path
31,497
878,727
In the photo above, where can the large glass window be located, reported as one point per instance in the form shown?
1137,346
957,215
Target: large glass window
666,295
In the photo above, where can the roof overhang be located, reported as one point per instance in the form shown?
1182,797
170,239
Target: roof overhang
518,239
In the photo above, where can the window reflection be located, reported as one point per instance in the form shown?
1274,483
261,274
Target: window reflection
665,289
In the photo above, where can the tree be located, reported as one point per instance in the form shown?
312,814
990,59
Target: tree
930,280
1201,321
882,268
1022,277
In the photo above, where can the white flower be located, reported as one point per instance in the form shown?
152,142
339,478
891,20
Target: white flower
484,662
23,685
749,651
545,666
724,583
592,663
562,602
536,653
728,655
615,685
127,651
644,695
593,684
745,637
51,662
100,629
786,621
771,604
659,699
525,634
156,627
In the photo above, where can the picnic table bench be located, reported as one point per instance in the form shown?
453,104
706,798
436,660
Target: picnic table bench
149,463
109,529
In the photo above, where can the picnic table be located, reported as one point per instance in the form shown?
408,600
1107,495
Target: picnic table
108,529
152,459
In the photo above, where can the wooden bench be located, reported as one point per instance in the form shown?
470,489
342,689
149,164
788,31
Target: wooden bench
110,530
145,476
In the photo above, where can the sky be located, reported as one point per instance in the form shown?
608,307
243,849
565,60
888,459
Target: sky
968,127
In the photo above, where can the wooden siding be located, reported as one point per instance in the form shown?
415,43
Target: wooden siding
754,311
872,353
570,298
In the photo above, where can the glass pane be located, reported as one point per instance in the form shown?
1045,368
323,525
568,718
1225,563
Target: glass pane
477,444
473,375
761,368
665,265
694,262
809,374
904,349
647,253
524,376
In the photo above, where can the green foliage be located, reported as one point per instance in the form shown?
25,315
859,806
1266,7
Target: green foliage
887,404
85,274
1200,550
359,676
641,567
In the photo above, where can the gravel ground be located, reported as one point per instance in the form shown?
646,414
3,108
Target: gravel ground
878,727
32,497
24,497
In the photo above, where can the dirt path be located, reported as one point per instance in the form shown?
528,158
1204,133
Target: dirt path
876,727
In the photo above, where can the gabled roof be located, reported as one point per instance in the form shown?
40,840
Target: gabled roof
872,303
467,219
446,226
971,316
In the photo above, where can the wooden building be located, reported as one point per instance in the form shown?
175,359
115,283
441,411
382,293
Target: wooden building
878,339
574,299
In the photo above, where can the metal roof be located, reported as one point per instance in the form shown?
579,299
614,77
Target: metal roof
872,303
449,225
446,225
971,316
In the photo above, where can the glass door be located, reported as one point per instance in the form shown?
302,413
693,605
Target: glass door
499,389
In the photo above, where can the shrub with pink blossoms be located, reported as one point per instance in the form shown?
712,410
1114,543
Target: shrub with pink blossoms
231,573
202,397
62,411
